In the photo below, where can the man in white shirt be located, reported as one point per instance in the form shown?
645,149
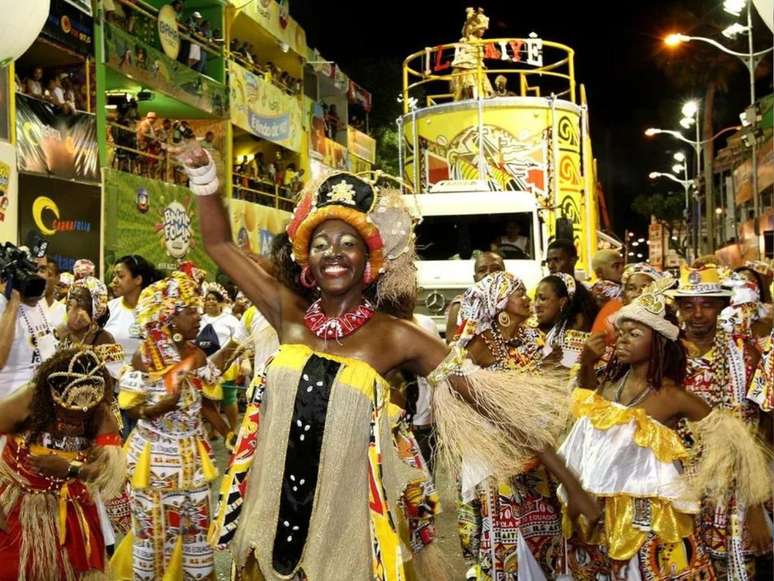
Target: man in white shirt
56,311
26,335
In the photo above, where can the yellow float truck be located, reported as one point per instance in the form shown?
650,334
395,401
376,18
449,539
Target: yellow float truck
494,143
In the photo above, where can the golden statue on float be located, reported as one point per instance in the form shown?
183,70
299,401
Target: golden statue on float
468,80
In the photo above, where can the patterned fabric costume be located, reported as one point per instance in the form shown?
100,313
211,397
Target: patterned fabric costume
169,458
630,462
510,526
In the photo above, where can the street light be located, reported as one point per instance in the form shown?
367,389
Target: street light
690,108
678,168
750,60
674,39
679,156
731,32
734,7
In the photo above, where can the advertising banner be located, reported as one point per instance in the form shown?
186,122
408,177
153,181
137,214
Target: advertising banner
67,214
9,198
154,69
275,18
264,110
169,36
361,145
71,24
254,226
656,244
154,219
52,143
357,94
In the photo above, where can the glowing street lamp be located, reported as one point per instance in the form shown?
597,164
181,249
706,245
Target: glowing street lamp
734,7
675,39
690,108
679,156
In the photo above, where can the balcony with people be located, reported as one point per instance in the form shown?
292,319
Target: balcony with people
172,47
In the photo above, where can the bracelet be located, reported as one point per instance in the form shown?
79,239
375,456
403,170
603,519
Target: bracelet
203,181
74,469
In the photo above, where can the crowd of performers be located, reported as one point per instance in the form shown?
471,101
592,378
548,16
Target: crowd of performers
637,451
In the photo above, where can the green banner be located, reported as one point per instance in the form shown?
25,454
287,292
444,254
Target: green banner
153,69
154,219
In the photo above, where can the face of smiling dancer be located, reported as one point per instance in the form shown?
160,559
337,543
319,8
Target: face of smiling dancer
337,257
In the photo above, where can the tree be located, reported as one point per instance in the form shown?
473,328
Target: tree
669,210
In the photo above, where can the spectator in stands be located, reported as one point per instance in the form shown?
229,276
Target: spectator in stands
260,165
332,121
69,93
34,84
206,34
56,96
209,141
298,183
147,142
289,177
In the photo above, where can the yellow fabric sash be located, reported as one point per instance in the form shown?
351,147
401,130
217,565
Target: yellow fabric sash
619,533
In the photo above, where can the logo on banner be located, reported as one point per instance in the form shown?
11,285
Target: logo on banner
168,32
272,128
176,230
44,205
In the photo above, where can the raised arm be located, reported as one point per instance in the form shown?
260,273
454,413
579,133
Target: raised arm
257,285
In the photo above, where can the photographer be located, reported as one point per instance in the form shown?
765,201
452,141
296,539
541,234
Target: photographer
26,335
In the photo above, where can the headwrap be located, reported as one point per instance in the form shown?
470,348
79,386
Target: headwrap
162,300
66,278
198,275
214,287
640,268
569,282
97,291
745,308
156,307
83,268
650,309
379,215
484,301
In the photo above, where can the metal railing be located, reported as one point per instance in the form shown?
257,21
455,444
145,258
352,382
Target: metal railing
134,160
261,191
423,70
148,11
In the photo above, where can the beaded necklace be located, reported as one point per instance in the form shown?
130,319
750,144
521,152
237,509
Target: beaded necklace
37,358
326,327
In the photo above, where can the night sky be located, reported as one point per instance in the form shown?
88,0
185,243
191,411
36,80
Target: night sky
617,46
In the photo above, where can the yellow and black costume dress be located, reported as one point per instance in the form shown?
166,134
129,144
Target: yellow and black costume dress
326,480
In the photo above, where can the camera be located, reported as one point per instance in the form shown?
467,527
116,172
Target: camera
20,272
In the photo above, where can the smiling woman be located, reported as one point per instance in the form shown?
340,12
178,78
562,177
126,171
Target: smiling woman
325,478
